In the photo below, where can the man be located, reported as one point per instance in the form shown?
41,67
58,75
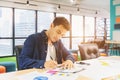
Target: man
45,49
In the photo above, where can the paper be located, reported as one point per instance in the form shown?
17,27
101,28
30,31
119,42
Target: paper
73,70
50,74
106,66
29,76
115,77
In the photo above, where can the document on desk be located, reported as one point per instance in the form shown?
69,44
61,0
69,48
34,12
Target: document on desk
57,76
54,74
114,77
28,76
102,68
73,70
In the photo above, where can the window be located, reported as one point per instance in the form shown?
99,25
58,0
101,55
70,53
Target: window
76,42
66,42
6,31
89,39
6,47
19,41
5,22
77,25
108,28
44,20
24,22
77,30
100,27
89,26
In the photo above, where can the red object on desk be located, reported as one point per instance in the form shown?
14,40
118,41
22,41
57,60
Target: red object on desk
2,69
103,54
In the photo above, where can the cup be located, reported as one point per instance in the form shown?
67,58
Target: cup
41,78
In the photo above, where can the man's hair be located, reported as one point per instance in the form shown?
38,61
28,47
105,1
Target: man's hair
62,21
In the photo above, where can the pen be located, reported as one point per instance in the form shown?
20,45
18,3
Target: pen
51,58
83,63
59,66
78,71
62,71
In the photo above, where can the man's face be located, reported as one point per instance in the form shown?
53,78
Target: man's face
56,33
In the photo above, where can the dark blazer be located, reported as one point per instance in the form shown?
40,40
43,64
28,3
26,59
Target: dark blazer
34,52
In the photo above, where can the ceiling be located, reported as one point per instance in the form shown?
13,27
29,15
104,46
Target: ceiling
66,6
94,4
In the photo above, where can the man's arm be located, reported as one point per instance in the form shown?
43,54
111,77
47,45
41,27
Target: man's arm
29,56
68,58
66,54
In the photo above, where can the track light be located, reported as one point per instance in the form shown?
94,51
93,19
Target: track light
96,12
72,1
58,7
27,3
78,9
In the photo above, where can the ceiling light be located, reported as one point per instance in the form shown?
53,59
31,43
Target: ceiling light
96,12
27,3
72,1
78,9
58,7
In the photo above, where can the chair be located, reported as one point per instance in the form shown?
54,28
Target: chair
18,49
10,66
74,53
88,51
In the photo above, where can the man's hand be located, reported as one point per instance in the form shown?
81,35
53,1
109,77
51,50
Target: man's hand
50,64
68,64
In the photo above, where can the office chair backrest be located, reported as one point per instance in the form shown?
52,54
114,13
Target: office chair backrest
18,49
88,51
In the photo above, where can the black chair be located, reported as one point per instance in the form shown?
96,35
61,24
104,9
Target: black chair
18,49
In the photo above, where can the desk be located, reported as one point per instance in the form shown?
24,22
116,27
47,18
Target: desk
113,46
112,42
99,69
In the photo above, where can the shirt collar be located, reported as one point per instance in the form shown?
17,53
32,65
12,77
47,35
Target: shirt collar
44,36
